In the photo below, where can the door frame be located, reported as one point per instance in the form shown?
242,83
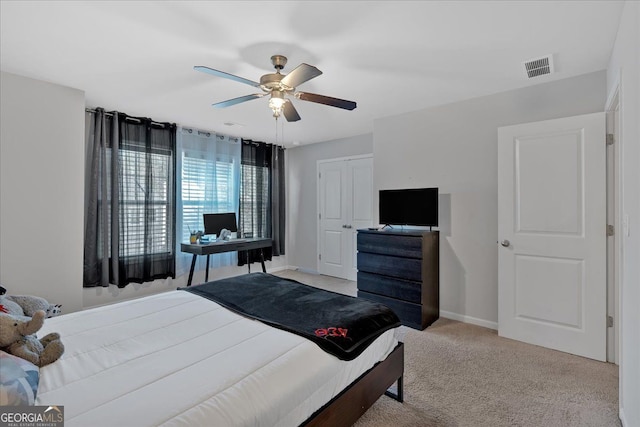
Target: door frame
318,195
614,291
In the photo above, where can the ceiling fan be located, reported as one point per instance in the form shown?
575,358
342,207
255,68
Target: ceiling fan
277,85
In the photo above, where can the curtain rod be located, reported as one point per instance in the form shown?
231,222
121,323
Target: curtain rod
209,134
257,143
235,139
133,119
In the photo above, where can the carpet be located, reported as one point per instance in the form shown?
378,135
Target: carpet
457,374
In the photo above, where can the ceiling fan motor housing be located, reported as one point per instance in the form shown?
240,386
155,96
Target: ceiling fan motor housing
279,61
270,82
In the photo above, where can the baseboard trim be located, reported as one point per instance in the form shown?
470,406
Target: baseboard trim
274,269
623,419
469,319
303,270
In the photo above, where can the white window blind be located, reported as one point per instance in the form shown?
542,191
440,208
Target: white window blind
254,200
139,218
208,182
207,187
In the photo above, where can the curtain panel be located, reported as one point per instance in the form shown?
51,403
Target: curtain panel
208,182
129,199
262,198
278,201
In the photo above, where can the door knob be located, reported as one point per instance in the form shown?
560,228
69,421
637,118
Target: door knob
348,226
505,243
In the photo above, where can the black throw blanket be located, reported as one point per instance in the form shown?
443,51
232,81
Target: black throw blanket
341,325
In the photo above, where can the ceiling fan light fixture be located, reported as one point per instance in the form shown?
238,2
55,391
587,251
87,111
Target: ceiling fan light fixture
276,103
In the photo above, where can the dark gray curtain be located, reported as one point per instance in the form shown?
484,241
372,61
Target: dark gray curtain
129,199
277,200
262,197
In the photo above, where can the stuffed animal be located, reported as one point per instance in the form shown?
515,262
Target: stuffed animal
26,305
17,337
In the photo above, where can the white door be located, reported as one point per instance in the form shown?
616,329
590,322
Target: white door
552,234
345,205
360,207
333,218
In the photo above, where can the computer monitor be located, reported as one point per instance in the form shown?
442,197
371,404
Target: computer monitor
213,223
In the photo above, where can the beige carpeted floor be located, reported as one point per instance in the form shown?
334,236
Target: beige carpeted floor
457,374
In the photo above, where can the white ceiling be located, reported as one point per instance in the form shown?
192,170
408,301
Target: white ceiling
390,57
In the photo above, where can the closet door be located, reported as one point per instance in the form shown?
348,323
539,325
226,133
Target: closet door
332,253
360,207
345,196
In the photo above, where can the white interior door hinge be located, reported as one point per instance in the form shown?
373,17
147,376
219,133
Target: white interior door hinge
609,321
610,230
320,257
610,139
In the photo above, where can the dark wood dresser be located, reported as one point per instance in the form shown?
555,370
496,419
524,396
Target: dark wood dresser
400,269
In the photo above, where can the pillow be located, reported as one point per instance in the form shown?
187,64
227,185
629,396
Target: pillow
18,381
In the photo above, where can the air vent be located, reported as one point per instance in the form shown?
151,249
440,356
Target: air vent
538,66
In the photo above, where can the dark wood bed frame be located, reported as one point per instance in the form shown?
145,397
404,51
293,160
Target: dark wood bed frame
344,409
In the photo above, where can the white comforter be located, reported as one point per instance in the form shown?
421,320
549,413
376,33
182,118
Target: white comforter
179,359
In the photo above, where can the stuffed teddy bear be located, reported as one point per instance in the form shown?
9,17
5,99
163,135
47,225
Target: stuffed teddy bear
26,305
17,337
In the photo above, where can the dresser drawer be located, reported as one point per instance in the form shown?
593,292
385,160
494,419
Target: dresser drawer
403,268
402,246
392,287
410,314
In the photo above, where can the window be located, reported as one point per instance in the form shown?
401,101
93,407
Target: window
208,182
262,203
145,221
208,186
130,225
254,201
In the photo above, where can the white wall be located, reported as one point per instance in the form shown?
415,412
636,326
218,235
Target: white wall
454,147
302,194
624,68
41,186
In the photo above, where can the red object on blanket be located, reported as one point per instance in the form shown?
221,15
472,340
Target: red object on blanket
4,309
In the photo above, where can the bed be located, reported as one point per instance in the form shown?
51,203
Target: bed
178,358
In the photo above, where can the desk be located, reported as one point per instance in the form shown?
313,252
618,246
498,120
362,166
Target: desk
225,246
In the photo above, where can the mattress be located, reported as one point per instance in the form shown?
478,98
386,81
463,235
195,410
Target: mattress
178,359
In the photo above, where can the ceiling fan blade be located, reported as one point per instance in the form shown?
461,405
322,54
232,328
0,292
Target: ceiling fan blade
234,101
290,112
326,100
225,75
302,73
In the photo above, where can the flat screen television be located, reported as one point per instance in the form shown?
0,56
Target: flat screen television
215,222
414,206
